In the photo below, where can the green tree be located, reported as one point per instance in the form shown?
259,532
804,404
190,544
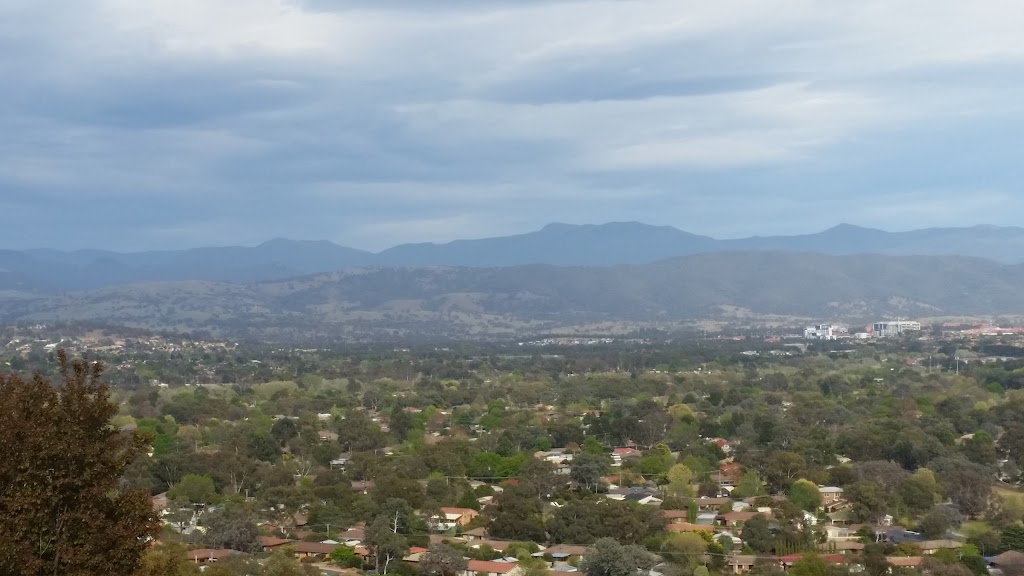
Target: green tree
609,558
805,495
680,481
1012,538
385,543
685,550
758,534
346,557
809,565
62,509
168,559
195,488
442,560
749,484
232,528
587,469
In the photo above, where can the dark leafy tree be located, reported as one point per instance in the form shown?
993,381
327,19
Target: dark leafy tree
609,558
59,473
442,560
232,528
587,469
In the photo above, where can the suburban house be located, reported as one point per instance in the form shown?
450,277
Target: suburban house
711,504
733,519
674,527
830,494
454,517
488,568
740,563
905,561
341,461
313,549
620,454
208,555
271,543
788,560
563,553
327,436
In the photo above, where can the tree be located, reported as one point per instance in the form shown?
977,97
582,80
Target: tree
346,557
805,495
442,560
232,528
281,564
758,534
59,478
781,468
934,524
284,430
680,481
167,559
749,484
609,558
809,565
195,488
587,469
685,550
868,499
517,514
1012,538
385,543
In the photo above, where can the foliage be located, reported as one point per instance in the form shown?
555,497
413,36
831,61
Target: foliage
609,558
442,560
62,508
232,528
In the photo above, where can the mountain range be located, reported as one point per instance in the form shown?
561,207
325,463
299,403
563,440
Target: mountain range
33,272
459,302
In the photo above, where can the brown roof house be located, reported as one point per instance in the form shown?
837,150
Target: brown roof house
488,568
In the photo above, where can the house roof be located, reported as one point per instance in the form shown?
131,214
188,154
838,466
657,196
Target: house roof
459,511
626,452
939,544
569,549
830,558
490,567
671,514
272,541
737,516
205,554
314,547
687,527
742,560
911,561
1010,558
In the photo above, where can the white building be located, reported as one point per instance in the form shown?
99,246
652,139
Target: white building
895,328
820,332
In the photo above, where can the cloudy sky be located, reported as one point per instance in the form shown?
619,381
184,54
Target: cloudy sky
131,124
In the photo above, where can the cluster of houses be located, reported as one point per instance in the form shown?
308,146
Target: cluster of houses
722,516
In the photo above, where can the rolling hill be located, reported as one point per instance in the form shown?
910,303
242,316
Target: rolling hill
383,302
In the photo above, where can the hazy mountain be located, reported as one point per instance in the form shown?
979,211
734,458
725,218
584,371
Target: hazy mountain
557,244
444,301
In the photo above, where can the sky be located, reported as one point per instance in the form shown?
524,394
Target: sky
131,125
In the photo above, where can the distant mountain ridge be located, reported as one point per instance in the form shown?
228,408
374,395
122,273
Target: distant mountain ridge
612,244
